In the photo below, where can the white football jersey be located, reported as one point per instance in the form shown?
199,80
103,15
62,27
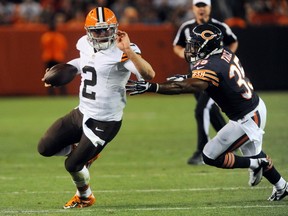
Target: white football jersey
104,75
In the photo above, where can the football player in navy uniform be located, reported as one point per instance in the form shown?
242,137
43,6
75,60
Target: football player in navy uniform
206,110
219,73
106,61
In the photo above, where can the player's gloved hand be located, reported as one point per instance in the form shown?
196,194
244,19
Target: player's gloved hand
140,87
43,79
178,77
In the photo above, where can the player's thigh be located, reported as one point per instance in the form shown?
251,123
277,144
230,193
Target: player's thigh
105,130
224,140
86,150
64,131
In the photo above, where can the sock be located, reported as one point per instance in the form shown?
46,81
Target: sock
81,180
84,191
280,184
273,176
254,163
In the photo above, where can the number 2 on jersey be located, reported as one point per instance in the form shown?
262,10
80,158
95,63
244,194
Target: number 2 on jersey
90,82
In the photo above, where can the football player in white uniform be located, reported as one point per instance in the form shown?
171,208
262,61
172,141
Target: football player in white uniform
106,61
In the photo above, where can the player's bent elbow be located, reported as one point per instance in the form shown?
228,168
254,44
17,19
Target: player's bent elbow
149,75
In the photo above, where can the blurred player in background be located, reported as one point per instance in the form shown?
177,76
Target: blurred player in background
219,73
54,46
206,110
106,61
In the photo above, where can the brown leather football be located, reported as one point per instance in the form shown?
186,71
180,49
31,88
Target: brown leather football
60,74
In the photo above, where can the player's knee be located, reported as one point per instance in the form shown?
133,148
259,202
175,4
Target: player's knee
207,160
72,166
43,147
212,162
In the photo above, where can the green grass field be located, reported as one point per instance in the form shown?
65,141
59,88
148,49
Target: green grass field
143,171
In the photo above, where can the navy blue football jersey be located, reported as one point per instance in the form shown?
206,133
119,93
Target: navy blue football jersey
228,85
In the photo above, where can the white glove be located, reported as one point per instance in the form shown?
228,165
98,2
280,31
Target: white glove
178,77
140,87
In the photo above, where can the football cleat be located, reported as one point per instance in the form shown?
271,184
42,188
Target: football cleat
279,194
255,176
80,202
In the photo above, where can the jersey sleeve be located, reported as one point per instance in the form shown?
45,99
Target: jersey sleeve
75,63
129,64
206,75
183,33
228,35
135,48
180,39
83,46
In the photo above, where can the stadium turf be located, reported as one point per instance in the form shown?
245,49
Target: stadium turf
143,171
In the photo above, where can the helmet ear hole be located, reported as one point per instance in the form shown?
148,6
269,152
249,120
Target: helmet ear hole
201,55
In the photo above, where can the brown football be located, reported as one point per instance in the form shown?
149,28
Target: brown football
60,74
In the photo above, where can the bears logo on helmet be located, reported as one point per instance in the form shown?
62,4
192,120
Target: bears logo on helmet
205,40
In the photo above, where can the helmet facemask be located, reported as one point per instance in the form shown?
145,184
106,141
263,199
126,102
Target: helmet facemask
194,51
101,37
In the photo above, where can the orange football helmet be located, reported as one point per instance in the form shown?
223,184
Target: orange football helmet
101,27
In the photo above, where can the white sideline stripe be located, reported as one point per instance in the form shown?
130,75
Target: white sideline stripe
143,190
141,209
5,178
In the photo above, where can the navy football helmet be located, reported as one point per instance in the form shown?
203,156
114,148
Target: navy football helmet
205,40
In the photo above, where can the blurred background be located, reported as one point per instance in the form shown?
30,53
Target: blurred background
260,25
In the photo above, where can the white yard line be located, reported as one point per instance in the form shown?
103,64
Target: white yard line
120,209
143,190
98,210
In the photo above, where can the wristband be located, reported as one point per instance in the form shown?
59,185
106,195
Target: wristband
153,87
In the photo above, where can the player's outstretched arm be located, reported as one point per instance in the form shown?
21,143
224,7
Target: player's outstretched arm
168,88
